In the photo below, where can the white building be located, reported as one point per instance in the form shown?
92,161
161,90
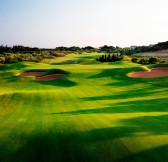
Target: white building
133,47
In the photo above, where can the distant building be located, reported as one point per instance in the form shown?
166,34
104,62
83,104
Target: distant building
133,47
151,45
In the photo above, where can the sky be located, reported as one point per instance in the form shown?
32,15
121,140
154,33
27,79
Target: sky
53,23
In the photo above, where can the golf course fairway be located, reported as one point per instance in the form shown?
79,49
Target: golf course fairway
95,112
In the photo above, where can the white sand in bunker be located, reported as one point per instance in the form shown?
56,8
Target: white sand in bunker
152,73
50,77
31,74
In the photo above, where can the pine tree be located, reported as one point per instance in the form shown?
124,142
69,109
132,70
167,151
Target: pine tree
108,58
105,58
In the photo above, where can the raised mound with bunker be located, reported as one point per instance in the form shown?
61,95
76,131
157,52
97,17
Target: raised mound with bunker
44,75
150,73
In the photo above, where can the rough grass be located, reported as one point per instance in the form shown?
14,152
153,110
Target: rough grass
96,113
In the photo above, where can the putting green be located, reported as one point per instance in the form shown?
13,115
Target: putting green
95,113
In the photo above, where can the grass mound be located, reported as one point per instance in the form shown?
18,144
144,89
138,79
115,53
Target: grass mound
143,68
87,61
56,71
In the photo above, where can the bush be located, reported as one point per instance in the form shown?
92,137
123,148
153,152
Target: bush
161,60
134,59
9,59
153,60
143,61
126,58
2,60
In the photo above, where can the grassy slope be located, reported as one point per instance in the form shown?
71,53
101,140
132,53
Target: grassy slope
96,114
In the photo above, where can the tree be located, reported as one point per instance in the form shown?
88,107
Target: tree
153,60
9,59
61,48
143,61
2,60
108,58
89,49
75,49
105,58
5,49
134,59
107,49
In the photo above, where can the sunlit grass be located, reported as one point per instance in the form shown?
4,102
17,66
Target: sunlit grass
95,113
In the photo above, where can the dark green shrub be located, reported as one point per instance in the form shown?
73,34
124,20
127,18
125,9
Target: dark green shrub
110,58
134,59
153,60
143,61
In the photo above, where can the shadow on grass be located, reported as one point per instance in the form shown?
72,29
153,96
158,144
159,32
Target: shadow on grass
14,66
51,147
129,94
70,61
121,77
113,72
62,82
127,102
158,154
130,101
4,67
121,74
125,107
95,145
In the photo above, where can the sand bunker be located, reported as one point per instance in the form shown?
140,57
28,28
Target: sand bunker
152,73
31,74
49,77
40,76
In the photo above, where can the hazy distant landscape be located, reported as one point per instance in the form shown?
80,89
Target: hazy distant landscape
162,53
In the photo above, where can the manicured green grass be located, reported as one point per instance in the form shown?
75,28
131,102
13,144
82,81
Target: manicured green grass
95,113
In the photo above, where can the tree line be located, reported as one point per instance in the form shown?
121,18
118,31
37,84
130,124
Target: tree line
150,60
20,53
142,49
23,49
110,58
119,57
105,48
